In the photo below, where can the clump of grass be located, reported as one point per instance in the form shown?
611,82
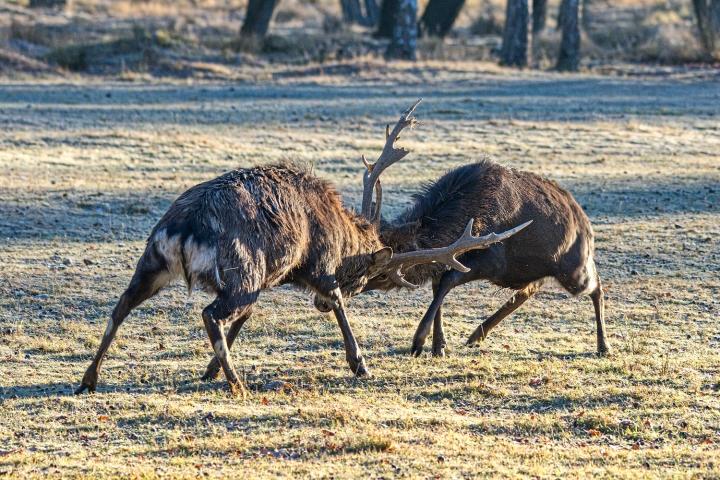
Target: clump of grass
369,444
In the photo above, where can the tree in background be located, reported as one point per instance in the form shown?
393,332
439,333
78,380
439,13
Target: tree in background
585,16
707,14
569,56
47,3
388,11
353,12
257,19
439,17
515,35
403,42
539,16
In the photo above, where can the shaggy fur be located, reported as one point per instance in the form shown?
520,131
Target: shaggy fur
558,244
245,231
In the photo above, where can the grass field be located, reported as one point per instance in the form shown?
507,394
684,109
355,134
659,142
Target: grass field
88,168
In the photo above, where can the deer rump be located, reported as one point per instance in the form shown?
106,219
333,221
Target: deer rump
245,223
559,244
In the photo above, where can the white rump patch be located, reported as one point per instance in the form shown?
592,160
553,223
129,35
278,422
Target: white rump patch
201,259
169,248
591,273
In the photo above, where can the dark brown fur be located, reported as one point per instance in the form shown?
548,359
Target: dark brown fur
558,244
243,232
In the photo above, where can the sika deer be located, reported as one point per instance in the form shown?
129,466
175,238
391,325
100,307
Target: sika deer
559,244
251,229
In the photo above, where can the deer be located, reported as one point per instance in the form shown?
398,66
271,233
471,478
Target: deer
251,229
558,245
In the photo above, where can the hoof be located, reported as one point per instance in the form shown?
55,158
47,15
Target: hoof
417,348
604,352
474,339
89,381
359,369
438,352
83,387
211,372
237,389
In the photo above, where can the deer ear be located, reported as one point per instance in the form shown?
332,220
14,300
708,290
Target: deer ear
382,257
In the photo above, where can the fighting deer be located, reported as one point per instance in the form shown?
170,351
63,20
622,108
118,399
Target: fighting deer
252,229
558,245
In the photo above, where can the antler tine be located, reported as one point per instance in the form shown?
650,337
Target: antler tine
390,154
446,255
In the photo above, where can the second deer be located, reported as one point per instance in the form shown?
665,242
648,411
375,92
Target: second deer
559,244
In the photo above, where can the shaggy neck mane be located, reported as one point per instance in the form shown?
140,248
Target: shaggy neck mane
442,199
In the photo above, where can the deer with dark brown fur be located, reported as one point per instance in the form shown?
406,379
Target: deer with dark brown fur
559,244
252,229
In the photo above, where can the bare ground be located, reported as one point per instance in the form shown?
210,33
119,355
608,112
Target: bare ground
87,168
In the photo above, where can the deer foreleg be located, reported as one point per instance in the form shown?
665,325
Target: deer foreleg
352,349
448,281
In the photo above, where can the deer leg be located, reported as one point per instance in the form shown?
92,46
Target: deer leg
215,316
438,339
598,299
352,349
510,306
448,281
143,285
213,368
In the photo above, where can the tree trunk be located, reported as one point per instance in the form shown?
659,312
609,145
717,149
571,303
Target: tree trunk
539,15
707,14
715,15
353,12
372,13
388,11
404,38
585,16
439,17
569,57
515,36
257,19
561,12
47,3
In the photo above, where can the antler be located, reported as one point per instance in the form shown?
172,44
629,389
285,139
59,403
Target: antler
445,255
389,155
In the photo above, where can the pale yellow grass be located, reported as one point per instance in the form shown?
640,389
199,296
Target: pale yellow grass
85,176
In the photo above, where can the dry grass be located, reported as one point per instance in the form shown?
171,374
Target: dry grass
89,168
133,39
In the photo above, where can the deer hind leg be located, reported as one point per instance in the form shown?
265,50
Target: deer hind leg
213,368
598,299
584,280
148,279
215,315
510,306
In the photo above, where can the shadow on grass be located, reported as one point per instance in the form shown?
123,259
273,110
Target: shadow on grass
65,389
559,99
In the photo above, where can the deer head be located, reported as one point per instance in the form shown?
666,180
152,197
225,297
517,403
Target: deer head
383,268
